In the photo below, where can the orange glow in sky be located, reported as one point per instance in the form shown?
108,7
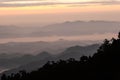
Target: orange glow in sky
62,10
36,13
57,9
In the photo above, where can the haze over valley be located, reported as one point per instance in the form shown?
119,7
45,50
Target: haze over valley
67,39
23,43
73,31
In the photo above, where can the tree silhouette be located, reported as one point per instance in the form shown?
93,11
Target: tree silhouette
103,65
119,35
84,59
3,77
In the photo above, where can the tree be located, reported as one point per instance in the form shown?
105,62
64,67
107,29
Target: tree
3,77
119,35
103,65
84,59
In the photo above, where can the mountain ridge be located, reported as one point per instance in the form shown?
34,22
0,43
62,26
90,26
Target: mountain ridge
47,57
59,29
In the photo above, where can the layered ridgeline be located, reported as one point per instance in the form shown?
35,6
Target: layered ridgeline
103,65
16,63
75,28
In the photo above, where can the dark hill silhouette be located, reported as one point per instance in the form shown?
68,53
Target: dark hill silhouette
40,59
103,65
77,51
17,61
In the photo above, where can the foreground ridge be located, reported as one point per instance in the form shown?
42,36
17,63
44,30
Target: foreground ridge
103,65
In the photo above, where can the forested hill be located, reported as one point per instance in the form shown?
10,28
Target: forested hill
103,65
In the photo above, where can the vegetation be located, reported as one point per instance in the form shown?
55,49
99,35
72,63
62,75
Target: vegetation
103,65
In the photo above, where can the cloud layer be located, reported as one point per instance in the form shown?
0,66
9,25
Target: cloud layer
21,3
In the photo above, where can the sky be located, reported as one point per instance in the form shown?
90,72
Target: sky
44,12
38,13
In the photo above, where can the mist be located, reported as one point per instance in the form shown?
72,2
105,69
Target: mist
69,30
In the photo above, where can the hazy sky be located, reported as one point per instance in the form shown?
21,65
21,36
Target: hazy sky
44,12
37,12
